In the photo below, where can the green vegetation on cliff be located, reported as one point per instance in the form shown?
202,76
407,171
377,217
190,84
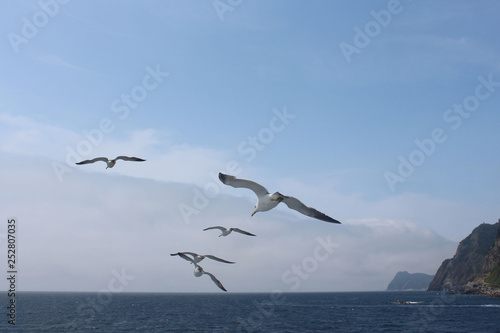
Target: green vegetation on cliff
475,268
494,278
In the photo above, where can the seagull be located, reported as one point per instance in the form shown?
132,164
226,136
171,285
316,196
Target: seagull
199,257
267,201
198,271
111,163
226,231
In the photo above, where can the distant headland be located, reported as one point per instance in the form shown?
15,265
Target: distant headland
406,281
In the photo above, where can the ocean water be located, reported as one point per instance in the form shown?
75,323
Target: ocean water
251,312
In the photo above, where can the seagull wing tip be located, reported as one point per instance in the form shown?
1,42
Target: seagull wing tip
332,220
222,177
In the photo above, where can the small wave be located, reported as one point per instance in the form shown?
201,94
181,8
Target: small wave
462,305
408,302
490,305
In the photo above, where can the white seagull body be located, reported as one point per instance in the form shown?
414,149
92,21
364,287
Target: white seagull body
267,201
111,163
199,257
198,271
226,231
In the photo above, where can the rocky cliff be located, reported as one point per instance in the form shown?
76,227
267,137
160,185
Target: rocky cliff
475,268
407,281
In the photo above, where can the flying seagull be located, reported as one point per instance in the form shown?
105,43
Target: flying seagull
111,163
198,271
267,201
199,257
226,231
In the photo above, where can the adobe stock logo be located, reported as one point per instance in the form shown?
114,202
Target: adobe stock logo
298,273
31,27
122,108
363,37
223,6
87,311
454,117
248,148
419,320
264,310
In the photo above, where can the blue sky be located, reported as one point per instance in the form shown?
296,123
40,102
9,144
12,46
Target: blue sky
190,89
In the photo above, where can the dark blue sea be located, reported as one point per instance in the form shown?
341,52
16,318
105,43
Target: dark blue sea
251,312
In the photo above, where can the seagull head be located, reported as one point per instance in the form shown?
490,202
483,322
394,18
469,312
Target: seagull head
198,271
111,164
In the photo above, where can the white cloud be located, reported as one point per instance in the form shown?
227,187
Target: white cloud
72,235
452,219
23,135
422,58
167,159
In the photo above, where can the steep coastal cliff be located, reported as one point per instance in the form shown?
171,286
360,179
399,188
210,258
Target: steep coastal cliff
475,268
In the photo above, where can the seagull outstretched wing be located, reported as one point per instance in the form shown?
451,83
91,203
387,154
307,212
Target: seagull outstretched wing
217,282
216,227
258,189
104,159
126,158
243,232
218,259
297,205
